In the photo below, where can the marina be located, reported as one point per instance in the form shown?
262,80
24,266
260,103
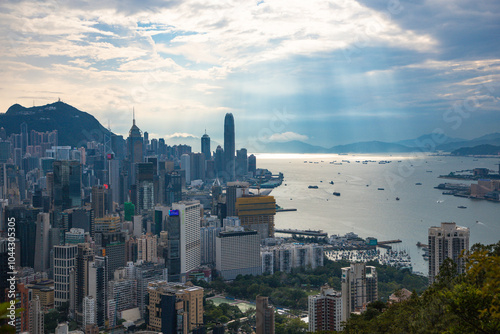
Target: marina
400,259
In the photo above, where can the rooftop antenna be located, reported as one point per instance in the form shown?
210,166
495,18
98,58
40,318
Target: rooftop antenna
133,115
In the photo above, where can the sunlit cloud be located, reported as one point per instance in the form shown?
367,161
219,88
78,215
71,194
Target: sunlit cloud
184,64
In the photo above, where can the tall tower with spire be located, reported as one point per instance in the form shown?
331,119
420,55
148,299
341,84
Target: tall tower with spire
205,146
134,142
229,147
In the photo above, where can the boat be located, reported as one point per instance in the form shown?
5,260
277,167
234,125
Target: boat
461,207
336,193
313,187
418,184
397,198
448,193
331,182
380,188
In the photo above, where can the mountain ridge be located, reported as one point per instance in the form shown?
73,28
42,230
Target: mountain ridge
76,127
73,125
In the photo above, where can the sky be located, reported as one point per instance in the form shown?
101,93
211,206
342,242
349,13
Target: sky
322,72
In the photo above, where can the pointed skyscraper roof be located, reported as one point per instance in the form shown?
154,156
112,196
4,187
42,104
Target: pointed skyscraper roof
134,130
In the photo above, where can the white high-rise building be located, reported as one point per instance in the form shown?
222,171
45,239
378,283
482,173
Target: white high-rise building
64,263
359,287
446,241
189,235
325,310
238,252
89,311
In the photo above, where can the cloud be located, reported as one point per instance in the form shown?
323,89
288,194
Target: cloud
183,64
287,136
181,135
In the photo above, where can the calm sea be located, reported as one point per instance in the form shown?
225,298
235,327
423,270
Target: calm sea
369,212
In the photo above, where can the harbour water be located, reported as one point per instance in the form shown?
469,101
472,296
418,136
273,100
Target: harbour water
369,212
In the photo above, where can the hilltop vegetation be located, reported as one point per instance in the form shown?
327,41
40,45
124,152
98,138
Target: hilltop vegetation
469,303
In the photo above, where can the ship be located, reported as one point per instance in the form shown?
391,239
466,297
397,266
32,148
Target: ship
313,187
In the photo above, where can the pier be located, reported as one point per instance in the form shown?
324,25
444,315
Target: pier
386,244
312,233
285,210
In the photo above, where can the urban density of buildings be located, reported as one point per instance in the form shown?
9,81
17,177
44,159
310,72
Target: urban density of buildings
114,231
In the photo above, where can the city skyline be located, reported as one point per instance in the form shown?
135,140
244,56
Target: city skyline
322,73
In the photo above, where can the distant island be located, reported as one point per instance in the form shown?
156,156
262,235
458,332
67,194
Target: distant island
477,150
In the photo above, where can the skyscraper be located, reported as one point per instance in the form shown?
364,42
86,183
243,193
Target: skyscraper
234,191
264,316
205,146
24,137
325,310
252,164
98,286
42,242
134,144
197,166
145,187
173,188
446,241
25,231
186,166
67,184
99,201
238,252
241,163
219,161
257,213
114,250
64,263
359,287
229,147
183,227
